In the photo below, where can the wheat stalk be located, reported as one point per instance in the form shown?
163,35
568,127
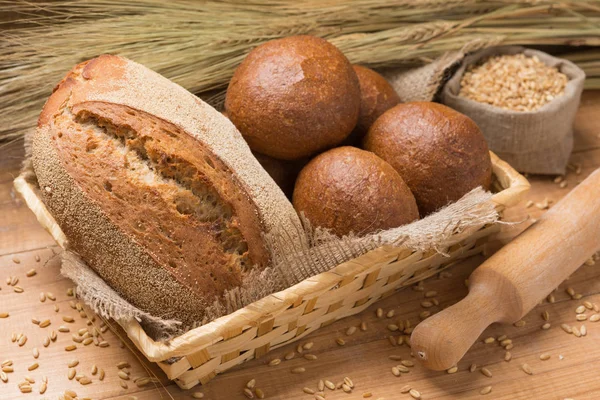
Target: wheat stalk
199,44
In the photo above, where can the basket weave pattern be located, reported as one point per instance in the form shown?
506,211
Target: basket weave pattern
284,317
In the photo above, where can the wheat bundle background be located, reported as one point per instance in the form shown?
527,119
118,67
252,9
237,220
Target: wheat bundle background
199,44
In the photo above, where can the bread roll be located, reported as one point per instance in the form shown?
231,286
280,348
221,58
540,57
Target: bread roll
284,173
351,190
154,189
293,97
440,153
376,97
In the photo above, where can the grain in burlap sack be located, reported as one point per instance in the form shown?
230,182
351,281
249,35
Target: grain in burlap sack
538,141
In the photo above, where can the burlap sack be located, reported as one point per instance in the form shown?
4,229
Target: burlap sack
539,141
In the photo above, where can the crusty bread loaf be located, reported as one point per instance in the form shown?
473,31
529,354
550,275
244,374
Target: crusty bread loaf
351,190
154,189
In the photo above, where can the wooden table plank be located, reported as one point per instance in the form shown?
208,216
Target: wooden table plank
365,355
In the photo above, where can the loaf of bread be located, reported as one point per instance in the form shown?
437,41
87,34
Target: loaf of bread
153,188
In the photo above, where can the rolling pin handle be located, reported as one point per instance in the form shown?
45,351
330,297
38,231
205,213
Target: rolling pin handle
439,343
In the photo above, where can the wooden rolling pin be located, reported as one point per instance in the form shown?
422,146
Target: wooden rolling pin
514,280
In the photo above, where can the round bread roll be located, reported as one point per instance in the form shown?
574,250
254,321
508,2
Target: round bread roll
376,97
351,190
294,97
284,173
440,153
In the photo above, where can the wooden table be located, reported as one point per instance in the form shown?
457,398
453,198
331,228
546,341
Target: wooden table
571,372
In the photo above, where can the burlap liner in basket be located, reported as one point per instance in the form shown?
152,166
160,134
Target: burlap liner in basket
436,232
538,141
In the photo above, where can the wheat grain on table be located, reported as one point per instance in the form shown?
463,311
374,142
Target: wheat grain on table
536,359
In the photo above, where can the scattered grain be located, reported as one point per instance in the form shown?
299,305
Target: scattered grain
544,356
70,347
298,370
566,328
507,356
414,393
486,372
393,341
527,369
350,331
452,370
486,390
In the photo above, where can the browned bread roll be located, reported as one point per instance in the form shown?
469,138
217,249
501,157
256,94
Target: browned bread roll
293,97
284,173
440,153
351,190
154,189
376,97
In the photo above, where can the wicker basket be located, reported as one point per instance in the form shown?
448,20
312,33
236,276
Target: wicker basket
284,317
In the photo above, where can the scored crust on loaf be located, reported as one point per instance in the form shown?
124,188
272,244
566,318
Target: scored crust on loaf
156,190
